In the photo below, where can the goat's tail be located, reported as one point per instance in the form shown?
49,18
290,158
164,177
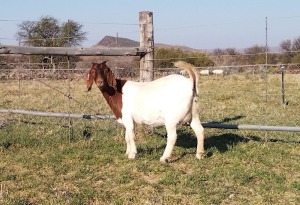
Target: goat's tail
192,73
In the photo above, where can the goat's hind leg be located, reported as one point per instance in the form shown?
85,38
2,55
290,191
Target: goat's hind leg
199,131
128,147
171,140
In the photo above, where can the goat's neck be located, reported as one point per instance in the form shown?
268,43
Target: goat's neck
114,97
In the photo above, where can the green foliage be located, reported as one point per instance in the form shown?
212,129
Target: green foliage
47,32
296,58
291,51
167,56
199,59
256,55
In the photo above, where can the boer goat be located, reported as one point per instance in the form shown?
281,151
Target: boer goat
168,101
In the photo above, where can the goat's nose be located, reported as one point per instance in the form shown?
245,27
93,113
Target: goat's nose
99,83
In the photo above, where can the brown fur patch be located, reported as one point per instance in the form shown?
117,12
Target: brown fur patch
110,87
114,98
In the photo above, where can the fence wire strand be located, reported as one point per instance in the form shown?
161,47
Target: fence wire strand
236,96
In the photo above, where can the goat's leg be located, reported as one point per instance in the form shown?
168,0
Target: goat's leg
133,150
171,140
128,147
199,131
129,137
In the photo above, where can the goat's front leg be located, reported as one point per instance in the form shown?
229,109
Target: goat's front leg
129,138
171,140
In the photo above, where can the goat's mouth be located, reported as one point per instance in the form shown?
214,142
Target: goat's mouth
100,84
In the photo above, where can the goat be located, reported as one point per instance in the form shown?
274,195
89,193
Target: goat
204,72
168,101
218,72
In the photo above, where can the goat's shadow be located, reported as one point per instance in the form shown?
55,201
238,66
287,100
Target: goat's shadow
186,139
222,143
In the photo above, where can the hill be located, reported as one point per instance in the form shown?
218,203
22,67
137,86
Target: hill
111,41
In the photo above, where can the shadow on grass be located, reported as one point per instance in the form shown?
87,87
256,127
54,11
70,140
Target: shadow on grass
222,142
186,139
229,119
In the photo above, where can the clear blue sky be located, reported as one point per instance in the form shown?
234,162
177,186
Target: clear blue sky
201,24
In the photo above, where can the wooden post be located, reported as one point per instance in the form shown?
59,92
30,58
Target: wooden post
146,41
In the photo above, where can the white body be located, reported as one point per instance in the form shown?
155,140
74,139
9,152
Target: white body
218,72
168,101
204,72
154,103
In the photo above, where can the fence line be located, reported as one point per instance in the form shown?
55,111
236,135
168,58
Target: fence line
204,124
89,116
59,115
223,91
65,51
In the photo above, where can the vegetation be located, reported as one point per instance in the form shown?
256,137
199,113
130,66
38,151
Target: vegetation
291,49
167,56
48,32
43,161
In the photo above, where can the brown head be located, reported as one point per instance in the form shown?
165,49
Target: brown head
102,76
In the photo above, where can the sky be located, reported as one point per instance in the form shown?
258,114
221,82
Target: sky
200,24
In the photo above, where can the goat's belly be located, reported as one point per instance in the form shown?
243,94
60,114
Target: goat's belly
153,120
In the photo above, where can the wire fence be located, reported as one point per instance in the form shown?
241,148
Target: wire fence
55,95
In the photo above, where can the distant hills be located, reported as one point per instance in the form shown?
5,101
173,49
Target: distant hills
111,41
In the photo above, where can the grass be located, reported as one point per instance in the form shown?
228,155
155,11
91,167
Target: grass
41,164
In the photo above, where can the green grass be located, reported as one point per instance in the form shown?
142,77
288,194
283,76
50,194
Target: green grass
40,163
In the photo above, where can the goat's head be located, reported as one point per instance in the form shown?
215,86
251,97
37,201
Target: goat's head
102,75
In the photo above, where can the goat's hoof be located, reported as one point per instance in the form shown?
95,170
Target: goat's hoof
131,156
200,156
164,160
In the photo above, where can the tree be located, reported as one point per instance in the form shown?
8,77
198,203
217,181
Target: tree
47,32
290,49
286,47
167,56
296,44
255,55
226,57
199,59
72,34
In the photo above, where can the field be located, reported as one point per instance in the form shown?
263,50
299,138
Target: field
46,160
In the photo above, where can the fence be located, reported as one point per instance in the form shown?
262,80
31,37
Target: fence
238,96
242,97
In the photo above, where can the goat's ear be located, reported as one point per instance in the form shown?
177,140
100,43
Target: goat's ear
111,80
90,79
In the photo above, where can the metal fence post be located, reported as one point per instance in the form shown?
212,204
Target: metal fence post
282,85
